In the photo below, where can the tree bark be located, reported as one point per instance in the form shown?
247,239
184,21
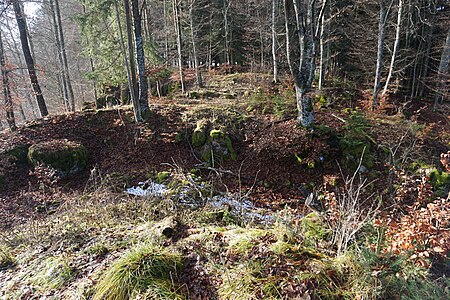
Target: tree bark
21,24
65,65
226,31
396,42
300,47
130,80
381,36
198,77
443,73
9,108
28,96
63,78
274,41
179,45
140,59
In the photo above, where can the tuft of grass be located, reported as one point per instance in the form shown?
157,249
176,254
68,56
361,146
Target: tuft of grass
146,269
53,273
98,249
6,258
242,240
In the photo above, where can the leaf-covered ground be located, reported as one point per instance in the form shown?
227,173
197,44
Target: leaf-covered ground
231,227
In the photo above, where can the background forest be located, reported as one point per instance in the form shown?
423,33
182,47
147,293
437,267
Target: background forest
383,48
225,149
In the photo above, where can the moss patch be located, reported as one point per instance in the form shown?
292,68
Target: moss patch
66,157
199,136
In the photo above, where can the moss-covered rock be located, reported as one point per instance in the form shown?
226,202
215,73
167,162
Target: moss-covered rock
67,157
218,148
19,153
200,134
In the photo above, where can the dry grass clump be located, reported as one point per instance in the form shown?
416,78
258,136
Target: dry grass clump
147,270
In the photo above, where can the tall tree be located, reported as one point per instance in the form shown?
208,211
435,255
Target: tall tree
274,41
130,79
443,73
300,48
140,58
396,43
9,108
177,23
381,36
21,24
62,71
198,78
65,66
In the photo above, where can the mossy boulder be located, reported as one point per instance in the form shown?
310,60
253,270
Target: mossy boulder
67,157
200,134
218,148
19,153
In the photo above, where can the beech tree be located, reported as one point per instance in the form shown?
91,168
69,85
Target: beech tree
443,76
300,47
140,59
21,24
9,108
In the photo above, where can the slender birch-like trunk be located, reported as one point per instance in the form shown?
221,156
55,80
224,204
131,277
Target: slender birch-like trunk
381,36
396,42
274,41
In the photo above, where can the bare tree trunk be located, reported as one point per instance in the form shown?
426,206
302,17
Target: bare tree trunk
166,34
320,29
300,49
132,60
28,96
322,52
274,42
134,99
396,42
65,65
381,36
198,77
140,59
21,24
226,7
179,45
9,108
443,73
63,78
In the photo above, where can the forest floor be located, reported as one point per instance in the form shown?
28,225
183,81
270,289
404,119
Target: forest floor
270,221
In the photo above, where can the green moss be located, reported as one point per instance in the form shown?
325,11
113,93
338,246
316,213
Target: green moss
162,176
179,137
440,182
199,136
313,227
19,153
64,156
